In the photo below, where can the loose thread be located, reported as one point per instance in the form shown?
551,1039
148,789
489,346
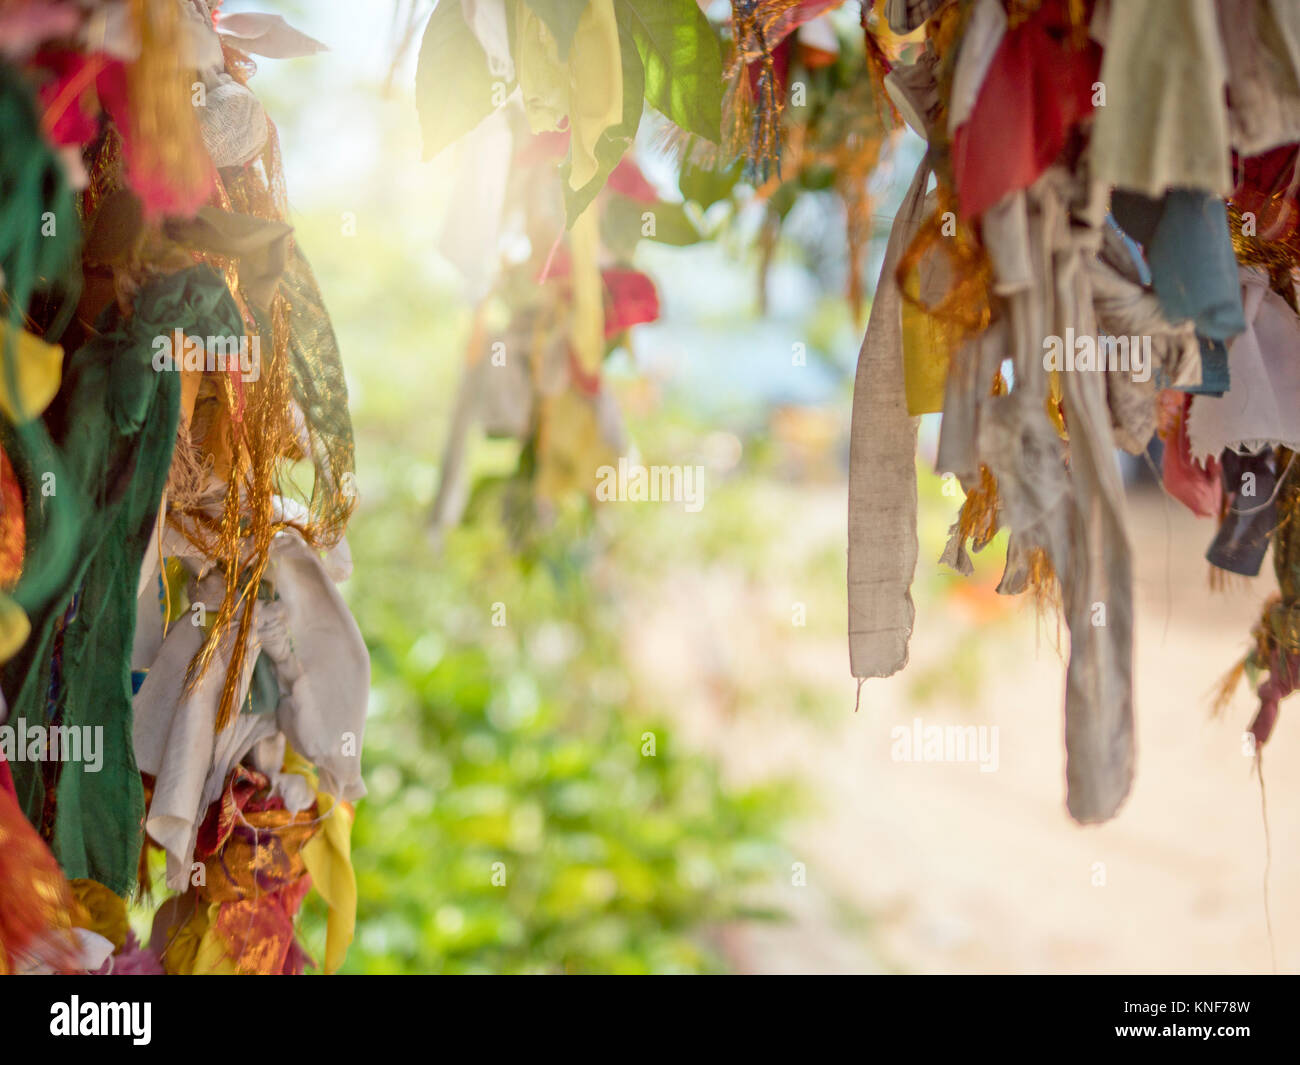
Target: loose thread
1268,857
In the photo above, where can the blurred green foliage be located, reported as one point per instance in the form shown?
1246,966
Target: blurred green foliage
524,815
515,821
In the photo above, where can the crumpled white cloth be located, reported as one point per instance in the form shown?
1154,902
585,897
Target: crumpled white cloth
232,122
92,950
269,35
323,671
231,118
1262,404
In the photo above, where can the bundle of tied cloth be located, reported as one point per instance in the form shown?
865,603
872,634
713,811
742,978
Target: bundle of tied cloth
1086,151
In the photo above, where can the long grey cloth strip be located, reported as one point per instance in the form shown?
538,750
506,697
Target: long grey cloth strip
1075,513
882,471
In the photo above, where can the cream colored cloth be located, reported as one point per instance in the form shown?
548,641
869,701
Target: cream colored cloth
882,471
1262,404
1126,307
882,437
913,90
1164,123
966,391
969,385
45,955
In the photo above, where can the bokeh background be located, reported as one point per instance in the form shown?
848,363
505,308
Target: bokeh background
770,831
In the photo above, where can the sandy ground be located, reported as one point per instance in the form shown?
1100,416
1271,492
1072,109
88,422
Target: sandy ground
942,868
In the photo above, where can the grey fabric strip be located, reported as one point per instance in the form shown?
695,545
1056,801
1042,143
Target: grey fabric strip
1099,743
1076,514
882,471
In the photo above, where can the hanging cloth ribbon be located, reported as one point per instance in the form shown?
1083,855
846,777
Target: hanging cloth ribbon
882,470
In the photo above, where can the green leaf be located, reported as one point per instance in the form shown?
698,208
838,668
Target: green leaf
782,201
818,177
706,186
561,18
454,88
682,58
624,223
616,140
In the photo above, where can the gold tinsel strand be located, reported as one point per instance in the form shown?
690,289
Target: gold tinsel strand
1044,588
165,133
978,521
260,433
243,536
883,48
752,115
1276,258
1261,652
965,311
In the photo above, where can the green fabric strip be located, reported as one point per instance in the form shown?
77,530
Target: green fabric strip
114,426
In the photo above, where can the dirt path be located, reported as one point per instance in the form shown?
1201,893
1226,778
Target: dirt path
940,867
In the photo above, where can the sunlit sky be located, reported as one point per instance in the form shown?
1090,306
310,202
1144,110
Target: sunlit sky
334,126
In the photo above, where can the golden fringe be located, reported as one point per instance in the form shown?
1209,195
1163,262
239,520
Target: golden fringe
1044,587
190,472
1226,687
967,308
978,521
243,536
737,105
849,146
1222,581
1044,591
1261,653
165,133
752,126
1277,258
883,49
260,432
854,158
